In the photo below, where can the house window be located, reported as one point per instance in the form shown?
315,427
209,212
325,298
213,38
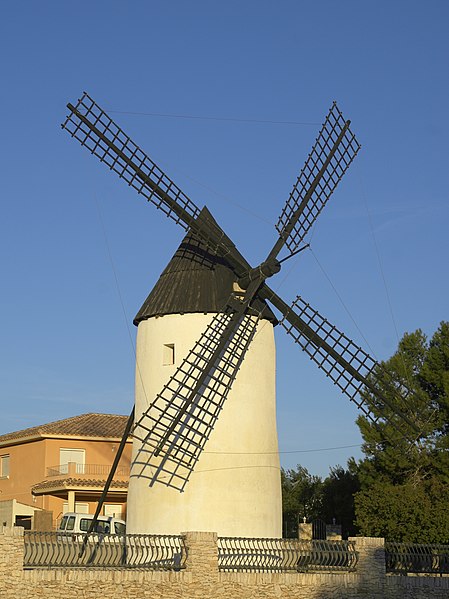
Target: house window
4,466
168,354
75,456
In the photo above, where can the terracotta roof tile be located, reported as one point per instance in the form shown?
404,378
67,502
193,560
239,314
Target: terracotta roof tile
67,483
85,425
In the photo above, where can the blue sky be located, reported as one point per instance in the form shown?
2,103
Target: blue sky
382,240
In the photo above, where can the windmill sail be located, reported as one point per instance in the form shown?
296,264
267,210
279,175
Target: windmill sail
334,150
179,421
349,367
95,130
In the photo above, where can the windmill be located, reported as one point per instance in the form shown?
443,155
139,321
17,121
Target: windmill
204,417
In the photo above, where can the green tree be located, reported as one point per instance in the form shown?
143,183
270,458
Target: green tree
398,478
308,496
301,498
339,488
407,512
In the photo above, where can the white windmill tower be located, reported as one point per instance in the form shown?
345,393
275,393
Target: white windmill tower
235,488
204,418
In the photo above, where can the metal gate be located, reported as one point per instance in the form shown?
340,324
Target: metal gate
318,529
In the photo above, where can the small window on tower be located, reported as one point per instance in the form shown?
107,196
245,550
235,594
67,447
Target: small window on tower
168,357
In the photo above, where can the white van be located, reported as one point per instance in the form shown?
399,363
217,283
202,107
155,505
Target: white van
73,523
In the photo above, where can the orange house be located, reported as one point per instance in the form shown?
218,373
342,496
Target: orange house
63,466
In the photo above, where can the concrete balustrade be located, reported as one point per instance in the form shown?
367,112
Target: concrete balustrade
202,578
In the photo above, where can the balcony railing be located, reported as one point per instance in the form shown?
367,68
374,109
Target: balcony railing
86,469
274,555
58,550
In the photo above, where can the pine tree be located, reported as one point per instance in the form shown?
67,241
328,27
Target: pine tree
396,476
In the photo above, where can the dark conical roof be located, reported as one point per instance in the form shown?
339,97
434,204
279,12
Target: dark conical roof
195,280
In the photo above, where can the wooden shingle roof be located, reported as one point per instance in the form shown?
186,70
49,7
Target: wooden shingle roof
196,280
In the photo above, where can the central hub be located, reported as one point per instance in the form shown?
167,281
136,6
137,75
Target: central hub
265,270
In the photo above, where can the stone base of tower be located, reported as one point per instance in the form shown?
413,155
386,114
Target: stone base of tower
235,488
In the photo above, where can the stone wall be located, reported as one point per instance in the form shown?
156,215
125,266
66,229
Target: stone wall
201,578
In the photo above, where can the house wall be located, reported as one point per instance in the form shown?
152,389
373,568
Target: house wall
201,578
100,452
26,468
29,462
11,508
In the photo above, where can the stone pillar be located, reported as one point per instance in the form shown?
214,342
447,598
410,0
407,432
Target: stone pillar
43,520
371,565
202,555
11,555
305,531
